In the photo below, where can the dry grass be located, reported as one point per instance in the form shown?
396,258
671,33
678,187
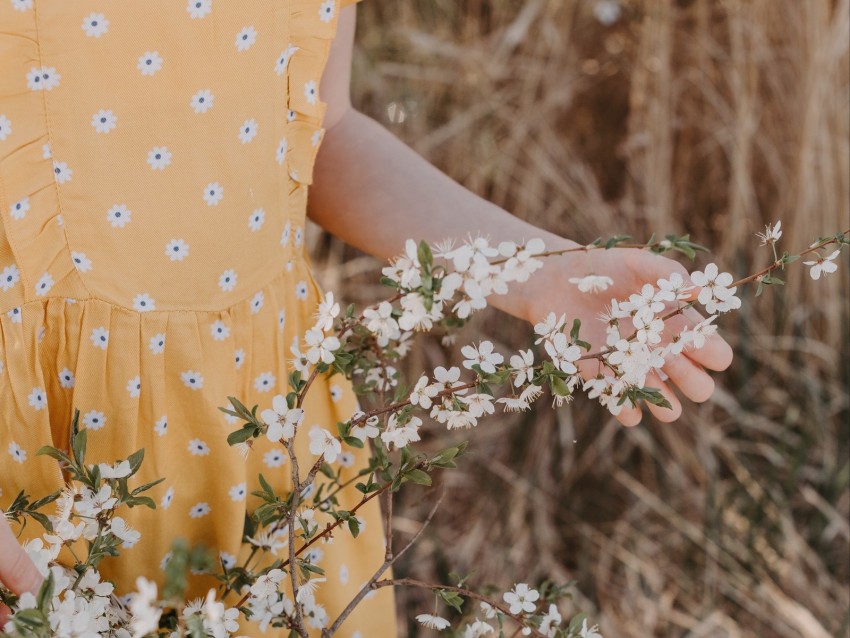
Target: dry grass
701,116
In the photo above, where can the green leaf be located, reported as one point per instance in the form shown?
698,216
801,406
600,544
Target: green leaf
241,435
452,599
353,441
45,593
419,477
354,526
135,460
426,257
559,386
574,330
146,486
80,447
44,501
59,455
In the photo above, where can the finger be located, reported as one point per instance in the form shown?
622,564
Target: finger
17,571
630,415
664,414
690,378
716,354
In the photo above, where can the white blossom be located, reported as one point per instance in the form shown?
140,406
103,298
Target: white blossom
823,265
592,283
521,599
483,356
282,420
324,443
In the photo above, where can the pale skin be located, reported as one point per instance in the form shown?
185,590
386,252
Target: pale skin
374,192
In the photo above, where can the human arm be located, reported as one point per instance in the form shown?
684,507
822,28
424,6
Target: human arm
374,192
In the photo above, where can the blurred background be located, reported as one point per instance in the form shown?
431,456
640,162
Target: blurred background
597,117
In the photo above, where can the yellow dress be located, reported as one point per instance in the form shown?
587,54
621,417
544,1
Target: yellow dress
154,164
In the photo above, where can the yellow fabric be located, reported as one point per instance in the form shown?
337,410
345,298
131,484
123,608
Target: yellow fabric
154,164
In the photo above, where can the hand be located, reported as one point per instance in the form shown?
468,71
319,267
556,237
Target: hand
17,571
548,290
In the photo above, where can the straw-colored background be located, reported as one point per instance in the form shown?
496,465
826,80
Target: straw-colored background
701,116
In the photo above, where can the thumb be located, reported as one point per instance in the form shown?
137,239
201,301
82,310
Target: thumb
17,571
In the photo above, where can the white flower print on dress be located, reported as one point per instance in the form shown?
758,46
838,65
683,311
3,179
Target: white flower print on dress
299,236
274,458
202,101
336,393
219,330
291,115
287,231
165,503
5,127
198,448
61,172
43,285
213,192
43,78
177,250
257,302
199,509
94,420
157,343
134,387
264,382
316,138
255,221
246,38
37,399
238,492
199,8
15,315
311,92
143,302
66,378
19,209
161,425
22,5
159,157
100,337
95,25
247,131
45,151
119,216
149,62
9,277
281,319
19,455
282,147
326,11
40,335
104,121
192,379
227,280
239,358
228,560
81,262
283,59
301,290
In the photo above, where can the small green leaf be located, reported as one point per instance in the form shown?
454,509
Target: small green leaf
419,477
354,526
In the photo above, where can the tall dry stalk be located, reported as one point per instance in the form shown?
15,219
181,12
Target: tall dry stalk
688,116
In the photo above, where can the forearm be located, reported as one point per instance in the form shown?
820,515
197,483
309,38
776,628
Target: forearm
374,192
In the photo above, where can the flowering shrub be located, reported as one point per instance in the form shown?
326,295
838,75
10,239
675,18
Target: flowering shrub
434,286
